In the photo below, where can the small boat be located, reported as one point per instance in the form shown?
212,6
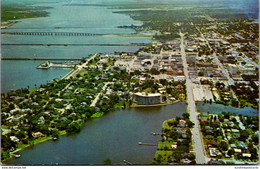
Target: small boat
54,138
16,155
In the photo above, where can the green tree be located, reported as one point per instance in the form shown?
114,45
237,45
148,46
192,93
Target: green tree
255,138
186,115
191,156
243,135
55,133
154,71
190,124
164,82
223,145
230,152
73,128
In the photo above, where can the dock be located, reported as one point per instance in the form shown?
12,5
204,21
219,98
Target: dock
147,144
47,65
154,134
127,162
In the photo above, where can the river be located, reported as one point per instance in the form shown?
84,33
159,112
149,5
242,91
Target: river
114,136
81,19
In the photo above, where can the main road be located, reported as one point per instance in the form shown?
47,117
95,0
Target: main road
197,140
79,68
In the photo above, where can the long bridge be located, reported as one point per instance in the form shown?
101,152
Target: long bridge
70,59
52,33
56,44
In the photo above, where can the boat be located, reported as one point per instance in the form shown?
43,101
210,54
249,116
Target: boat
16,155
54,138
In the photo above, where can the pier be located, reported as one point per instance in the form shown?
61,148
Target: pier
127,162
154,134
147,144
47,65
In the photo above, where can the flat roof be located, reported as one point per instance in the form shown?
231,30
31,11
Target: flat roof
143,94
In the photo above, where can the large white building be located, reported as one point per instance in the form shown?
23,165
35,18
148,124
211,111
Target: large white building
148,98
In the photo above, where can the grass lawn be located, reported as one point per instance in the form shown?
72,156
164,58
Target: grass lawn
164,156
21,146
82,72
164,144
165,124
120,104
96,115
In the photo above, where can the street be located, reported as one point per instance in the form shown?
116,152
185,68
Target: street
198,146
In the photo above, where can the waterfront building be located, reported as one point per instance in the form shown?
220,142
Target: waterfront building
148,98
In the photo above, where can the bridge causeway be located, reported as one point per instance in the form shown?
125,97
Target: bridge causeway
52,33
71,59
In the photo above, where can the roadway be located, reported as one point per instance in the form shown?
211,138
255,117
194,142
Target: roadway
197,140
93,104
224,71
79,68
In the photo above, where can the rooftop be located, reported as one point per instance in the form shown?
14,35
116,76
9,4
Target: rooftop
143,94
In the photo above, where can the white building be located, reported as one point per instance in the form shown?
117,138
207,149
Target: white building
148,98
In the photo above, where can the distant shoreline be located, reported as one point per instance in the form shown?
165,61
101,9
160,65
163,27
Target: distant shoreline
13,14
7,24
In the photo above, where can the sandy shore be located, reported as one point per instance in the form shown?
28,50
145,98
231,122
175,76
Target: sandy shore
7,24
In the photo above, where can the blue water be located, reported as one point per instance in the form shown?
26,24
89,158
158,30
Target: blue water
114,136
24,74
88,19
219,108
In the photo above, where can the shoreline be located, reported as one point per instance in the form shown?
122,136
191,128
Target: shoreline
154,105
47,138
7,24
20,149
62,134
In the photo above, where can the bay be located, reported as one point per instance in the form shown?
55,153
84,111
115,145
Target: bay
81,19
114,136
